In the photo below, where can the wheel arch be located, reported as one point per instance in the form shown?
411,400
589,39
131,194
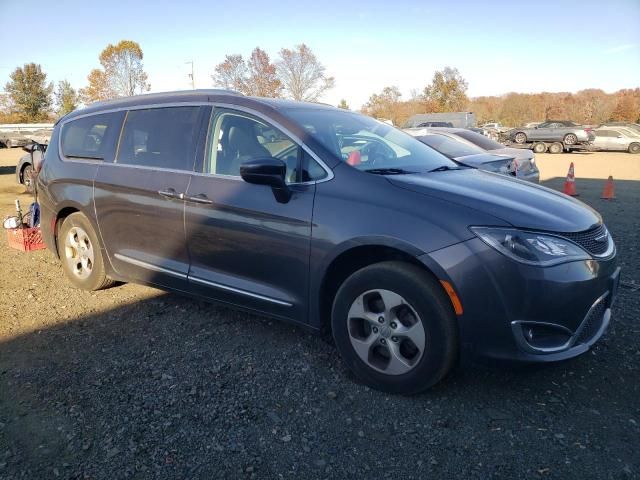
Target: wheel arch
351,259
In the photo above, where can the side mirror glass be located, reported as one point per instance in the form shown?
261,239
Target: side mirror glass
267,171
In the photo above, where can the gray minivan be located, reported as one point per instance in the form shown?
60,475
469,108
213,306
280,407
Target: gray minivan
330,220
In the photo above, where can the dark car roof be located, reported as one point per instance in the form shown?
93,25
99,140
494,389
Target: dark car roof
203,95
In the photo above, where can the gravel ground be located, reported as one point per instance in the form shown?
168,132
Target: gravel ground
132,382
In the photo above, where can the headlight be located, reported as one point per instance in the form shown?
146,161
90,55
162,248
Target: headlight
532,248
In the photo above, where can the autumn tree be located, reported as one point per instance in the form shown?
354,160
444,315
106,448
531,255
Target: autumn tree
302,75
263,80
626,109
66,98
447,91
343,104
29,93
384,104
122,73
231,74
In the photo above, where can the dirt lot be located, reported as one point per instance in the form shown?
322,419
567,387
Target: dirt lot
132,382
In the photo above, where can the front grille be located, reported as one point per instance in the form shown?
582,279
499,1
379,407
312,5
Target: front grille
591,325
587,239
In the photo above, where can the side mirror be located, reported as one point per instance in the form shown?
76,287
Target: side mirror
267,171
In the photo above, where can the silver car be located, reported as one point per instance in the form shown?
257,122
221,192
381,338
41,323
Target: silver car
617,139
553,131
524,157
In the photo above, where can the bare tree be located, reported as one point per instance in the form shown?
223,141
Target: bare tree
231,74
302,75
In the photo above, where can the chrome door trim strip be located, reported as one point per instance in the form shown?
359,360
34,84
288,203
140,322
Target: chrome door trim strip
149,266
239,291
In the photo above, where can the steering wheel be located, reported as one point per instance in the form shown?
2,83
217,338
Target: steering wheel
378,153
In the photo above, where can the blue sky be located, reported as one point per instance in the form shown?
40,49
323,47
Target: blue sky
366,45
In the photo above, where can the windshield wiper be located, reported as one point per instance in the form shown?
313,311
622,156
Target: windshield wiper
445,168
388,171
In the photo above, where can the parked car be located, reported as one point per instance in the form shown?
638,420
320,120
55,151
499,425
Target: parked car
524,158
13,139
553,131
631,126
409,259
617,139
456,119
29,165
40,136
434,124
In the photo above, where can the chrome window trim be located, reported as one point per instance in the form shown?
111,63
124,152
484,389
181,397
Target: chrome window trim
114,110
229,106
280,127
240,291
150,266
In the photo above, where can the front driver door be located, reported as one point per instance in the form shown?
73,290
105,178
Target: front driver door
246,248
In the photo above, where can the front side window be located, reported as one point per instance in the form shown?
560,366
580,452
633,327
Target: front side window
237,137
160,137
91,137
365,143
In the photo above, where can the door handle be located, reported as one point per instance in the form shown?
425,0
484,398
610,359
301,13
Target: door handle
200,198
170,193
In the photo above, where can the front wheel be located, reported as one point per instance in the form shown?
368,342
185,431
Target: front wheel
520,138
81,254
540,147
634,148
395,328
8,144
570,139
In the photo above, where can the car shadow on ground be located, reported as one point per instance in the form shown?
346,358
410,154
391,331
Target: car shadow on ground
175,387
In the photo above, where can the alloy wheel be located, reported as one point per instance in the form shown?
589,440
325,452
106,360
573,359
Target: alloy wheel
79,253
386,332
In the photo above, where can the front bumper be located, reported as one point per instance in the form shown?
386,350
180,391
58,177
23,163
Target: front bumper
518,312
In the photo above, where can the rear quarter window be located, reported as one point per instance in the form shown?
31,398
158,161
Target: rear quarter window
92,137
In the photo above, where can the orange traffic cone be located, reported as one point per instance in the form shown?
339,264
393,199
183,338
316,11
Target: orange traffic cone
609,191
570,183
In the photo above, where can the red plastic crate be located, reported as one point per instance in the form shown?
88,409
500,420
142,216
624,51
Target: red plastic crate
25,239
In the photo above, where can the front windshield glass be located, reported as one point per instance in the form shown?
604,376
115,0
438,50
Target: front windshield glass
450,147
367,144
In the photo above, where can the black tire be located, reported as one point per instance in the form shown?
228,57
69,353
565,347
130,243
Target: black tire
425,295
556,147
28,178
570,139
97,278
520,138
539,147
634,148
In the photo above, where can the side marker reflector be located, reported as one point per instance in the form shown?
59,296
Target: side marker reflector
453,296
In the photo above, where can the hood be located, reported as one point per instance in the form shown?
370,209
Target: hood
522,204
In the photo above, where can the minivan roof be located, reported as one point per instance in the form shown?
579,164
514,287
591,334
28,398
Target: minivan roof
201,95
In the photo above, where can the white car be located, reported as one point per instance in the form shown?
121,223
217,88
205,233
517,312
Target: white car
617,139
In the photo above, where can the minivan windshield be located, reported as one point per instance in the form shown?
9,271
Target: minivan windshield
367,144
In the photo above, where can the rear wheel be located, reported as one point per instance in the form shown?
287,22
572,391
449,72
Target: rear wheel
539,147
570,139
394,327
28,178
8,144
634,148
520,138
81,254
556,148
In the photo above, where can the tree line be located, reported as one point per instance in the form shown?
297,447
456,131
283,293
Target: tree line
298,74
447,93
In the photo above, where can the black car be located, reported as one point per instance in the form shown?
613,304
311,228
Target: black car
336,222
